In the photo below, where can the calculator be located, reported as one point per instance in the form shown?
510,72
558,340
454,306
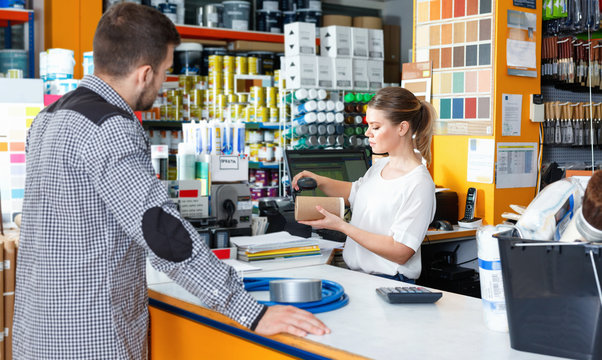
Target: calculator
408,295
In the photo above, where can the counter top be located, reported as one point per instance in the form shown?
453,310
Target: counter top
452,328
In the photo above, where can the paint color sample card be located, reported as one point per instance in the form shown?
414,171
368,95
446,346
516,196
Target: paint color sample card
15,120
457,37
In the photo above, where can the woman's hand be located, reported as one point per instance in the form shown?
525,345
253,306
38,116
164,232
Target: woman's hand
303,174
330,221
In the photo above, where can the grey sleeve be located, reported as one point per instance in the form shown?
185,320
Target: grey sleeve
118,163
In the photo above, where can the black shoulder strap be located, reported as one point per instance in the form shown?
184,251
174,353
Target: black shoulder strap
89,104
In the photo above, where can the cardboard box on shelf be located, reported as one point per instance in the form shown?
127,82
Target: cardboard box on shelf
229,168
301,71
340,20
376,45
375,74
243,45
360,74
368,22
343,73
359,44
335,41
299,39
325,73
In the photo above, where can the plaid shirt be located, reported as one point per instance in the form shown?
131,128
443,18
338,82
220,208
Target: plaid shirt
93,210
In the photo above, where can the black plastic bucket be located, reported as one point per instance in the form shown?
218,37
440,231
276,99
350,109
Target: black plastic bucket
552,300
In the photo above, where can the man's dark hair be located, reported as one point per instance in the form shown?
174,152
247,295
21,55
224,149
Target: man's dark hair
130,35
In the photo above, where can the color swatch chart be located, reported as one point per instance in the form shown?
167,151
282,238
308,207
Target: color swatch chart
15,119
457,37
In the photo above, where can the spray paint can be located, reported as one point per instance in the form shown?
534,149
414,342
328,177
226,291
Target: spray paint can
159,156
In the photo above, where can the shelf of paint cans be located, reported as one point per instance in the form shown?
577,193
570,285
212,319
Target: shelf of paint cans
20,61
199,32
9,17
178,124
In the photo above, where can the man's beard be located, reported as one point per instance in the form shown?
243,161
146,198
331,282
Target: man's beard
146,99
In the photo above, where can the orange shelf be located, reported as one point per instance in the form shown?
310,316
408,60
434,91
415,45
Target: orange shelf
198,32
14,16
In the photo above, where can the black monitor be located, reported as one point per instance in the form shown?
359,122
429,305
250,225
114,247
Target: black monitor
346,165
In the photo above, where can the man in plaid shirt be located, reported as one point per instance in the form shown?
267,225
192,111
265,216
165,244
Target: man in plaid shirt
93,211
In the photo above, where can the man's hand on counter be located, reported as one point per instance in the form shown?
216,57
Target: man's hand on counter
289,319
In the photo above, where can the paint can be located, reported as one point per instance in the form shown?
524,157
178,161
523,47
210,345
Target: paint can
315,5
188,59
59,64
14,59
270,5
310,16
288,17
213,15
268,21
170,10
287,5
265,62
236,14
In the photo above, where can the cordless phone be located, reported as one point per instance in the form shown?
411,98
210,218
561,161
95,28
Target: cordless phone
471,201
469,220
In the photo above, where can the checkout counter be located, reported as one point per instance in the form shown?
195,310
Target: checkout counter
368,327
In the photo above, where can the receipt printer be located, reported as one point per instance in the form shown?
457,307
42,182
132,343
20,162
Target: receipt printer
232,207
447,206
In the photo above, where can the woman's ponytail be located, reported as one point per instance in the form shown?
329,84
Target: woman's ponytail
424,130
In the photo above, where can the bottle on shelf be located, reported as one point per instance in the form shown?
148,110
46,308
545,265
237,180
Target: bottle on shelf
330,117
306,118
306,107
321,117
321,105
339,118
312,129
322,94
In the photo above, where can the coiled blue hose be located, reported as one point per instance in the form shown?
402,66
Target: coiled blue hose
333,295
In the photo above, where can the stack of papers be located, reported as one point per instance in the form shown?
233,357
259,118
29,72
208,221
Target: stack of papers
274,245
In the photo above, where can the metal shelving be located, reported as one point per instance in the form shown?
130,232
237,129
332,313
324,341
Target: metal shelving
10,17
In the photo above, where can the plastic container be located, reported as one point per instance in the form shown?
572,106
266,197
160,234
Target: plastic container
236,14
490,276
188,59
59,64
553,301
13,59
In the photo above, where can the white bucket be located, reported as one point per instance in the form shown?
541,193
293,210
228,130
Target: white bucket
60,63
88,63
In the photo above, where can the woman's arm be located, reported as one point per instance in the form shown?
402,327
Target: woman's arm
330,187
382,245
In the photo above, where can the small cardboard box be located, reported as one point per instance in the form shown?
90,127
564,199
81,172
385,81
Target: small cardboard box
359,44
376,74
301,71
335,41
360,74
229,168
299,39
325,73
343,73
376,44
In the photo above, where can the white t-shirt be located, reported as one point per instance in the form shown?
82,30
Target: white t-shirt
401,207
